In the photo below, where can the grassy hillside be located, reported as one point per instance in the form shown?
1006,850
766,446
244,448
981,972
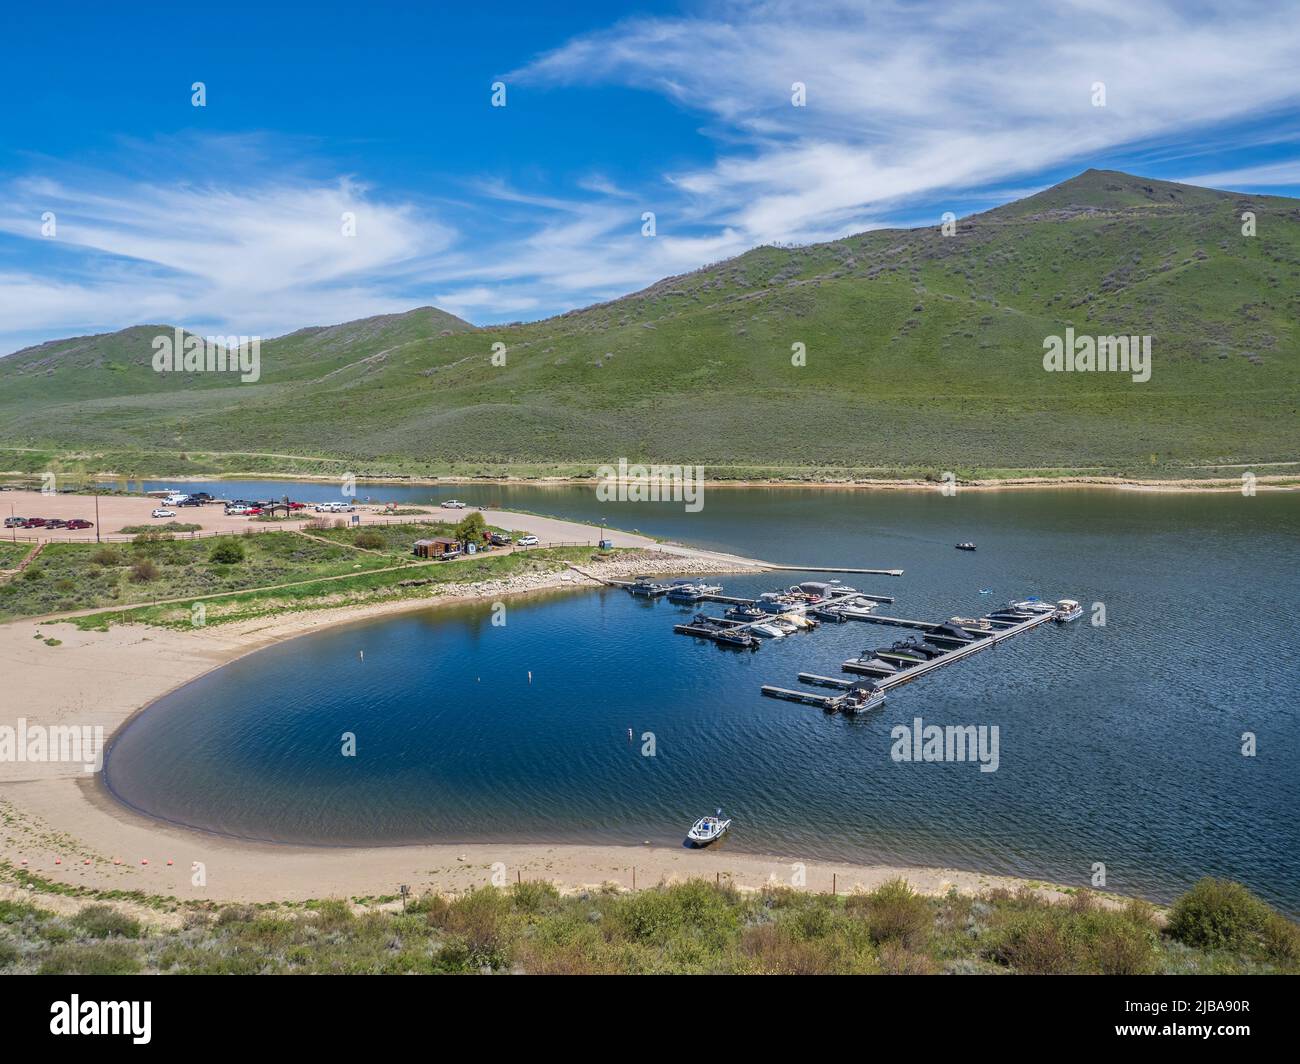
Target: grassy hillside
924,353
693,927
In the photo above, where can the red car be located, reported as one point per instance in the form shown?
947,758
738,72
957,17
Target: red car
34,522
77,522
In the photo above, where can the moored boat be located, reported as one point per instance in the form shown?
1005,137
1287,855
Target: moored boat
1067,610
860,698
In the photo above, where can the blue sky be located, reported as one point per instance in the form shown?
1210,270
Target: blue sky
227,218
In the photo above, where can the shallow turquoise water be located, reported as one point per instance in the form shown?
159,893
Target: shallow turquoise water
1118,744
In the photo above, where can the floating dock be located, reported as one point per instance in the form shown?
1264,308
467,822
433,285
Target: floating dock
982,641
947,648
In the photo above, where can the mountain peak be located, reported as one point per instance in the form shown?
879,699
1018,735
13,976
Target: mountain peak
1110,190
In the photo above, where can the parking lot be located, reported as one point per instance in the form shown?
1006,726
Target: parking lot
117,512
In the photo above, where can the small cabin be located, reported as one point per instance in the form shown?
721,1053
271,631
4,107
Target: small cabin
438,547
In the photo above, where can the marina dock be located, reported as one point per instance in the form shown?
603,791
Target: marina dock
949,646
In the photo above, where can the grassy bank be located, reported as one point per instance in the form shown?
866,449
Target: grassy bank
79,576
696,927
409,582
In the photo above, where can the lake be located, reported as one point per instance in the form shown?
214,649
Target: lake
1120,744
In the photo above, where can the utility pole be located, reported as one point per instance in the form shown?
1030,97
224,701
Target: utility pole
97,539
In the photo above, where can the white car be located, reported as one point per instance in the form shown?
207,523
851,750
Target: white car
163,513
527,541
454,504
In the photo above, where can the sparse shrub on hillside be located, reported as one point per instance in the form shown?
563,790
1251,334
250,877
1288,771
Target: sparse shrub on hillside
100,921
144,570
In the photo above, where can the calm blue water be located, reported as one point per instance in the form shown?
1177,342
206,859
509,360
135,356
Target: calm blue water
1118,744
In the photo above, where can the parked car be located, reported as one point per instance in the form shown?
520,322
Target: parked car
453,504
527,541
163,513
191,501
236,511
34,522
14,522
55,522
500,539
78,523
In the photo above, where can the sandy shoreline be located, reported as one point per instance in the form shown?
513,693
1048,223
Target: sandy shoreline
1209,485
59,823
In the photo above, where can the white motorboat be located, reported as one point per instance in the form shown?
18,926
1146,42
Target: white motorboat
708,829
784,624
1068,610
1033,605
767,630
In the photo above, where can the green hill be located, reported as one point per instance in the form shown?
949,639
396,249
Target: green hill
924,353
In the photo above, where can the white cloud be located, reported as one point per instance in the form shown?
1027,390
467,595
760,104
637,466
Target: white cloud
1269,175
263,257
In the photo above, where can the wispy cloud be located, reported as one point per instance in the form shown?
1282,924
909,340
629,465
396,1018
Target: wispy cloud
920,99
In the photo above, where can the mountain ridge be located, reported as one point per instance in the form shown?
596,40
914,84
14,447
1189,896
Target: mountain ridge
898,325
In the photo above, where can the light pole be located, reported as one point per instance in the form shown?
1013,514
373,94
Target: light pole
97,539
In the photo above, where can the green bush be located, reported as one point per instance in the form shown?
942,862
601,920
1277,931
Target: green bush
369,540
99,921
894,913
1218,914
535,896
481,922
144,571
100,958
227,552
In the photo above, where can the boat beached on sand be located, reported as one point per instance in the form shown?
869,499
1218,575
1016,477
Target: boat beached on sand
708,829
